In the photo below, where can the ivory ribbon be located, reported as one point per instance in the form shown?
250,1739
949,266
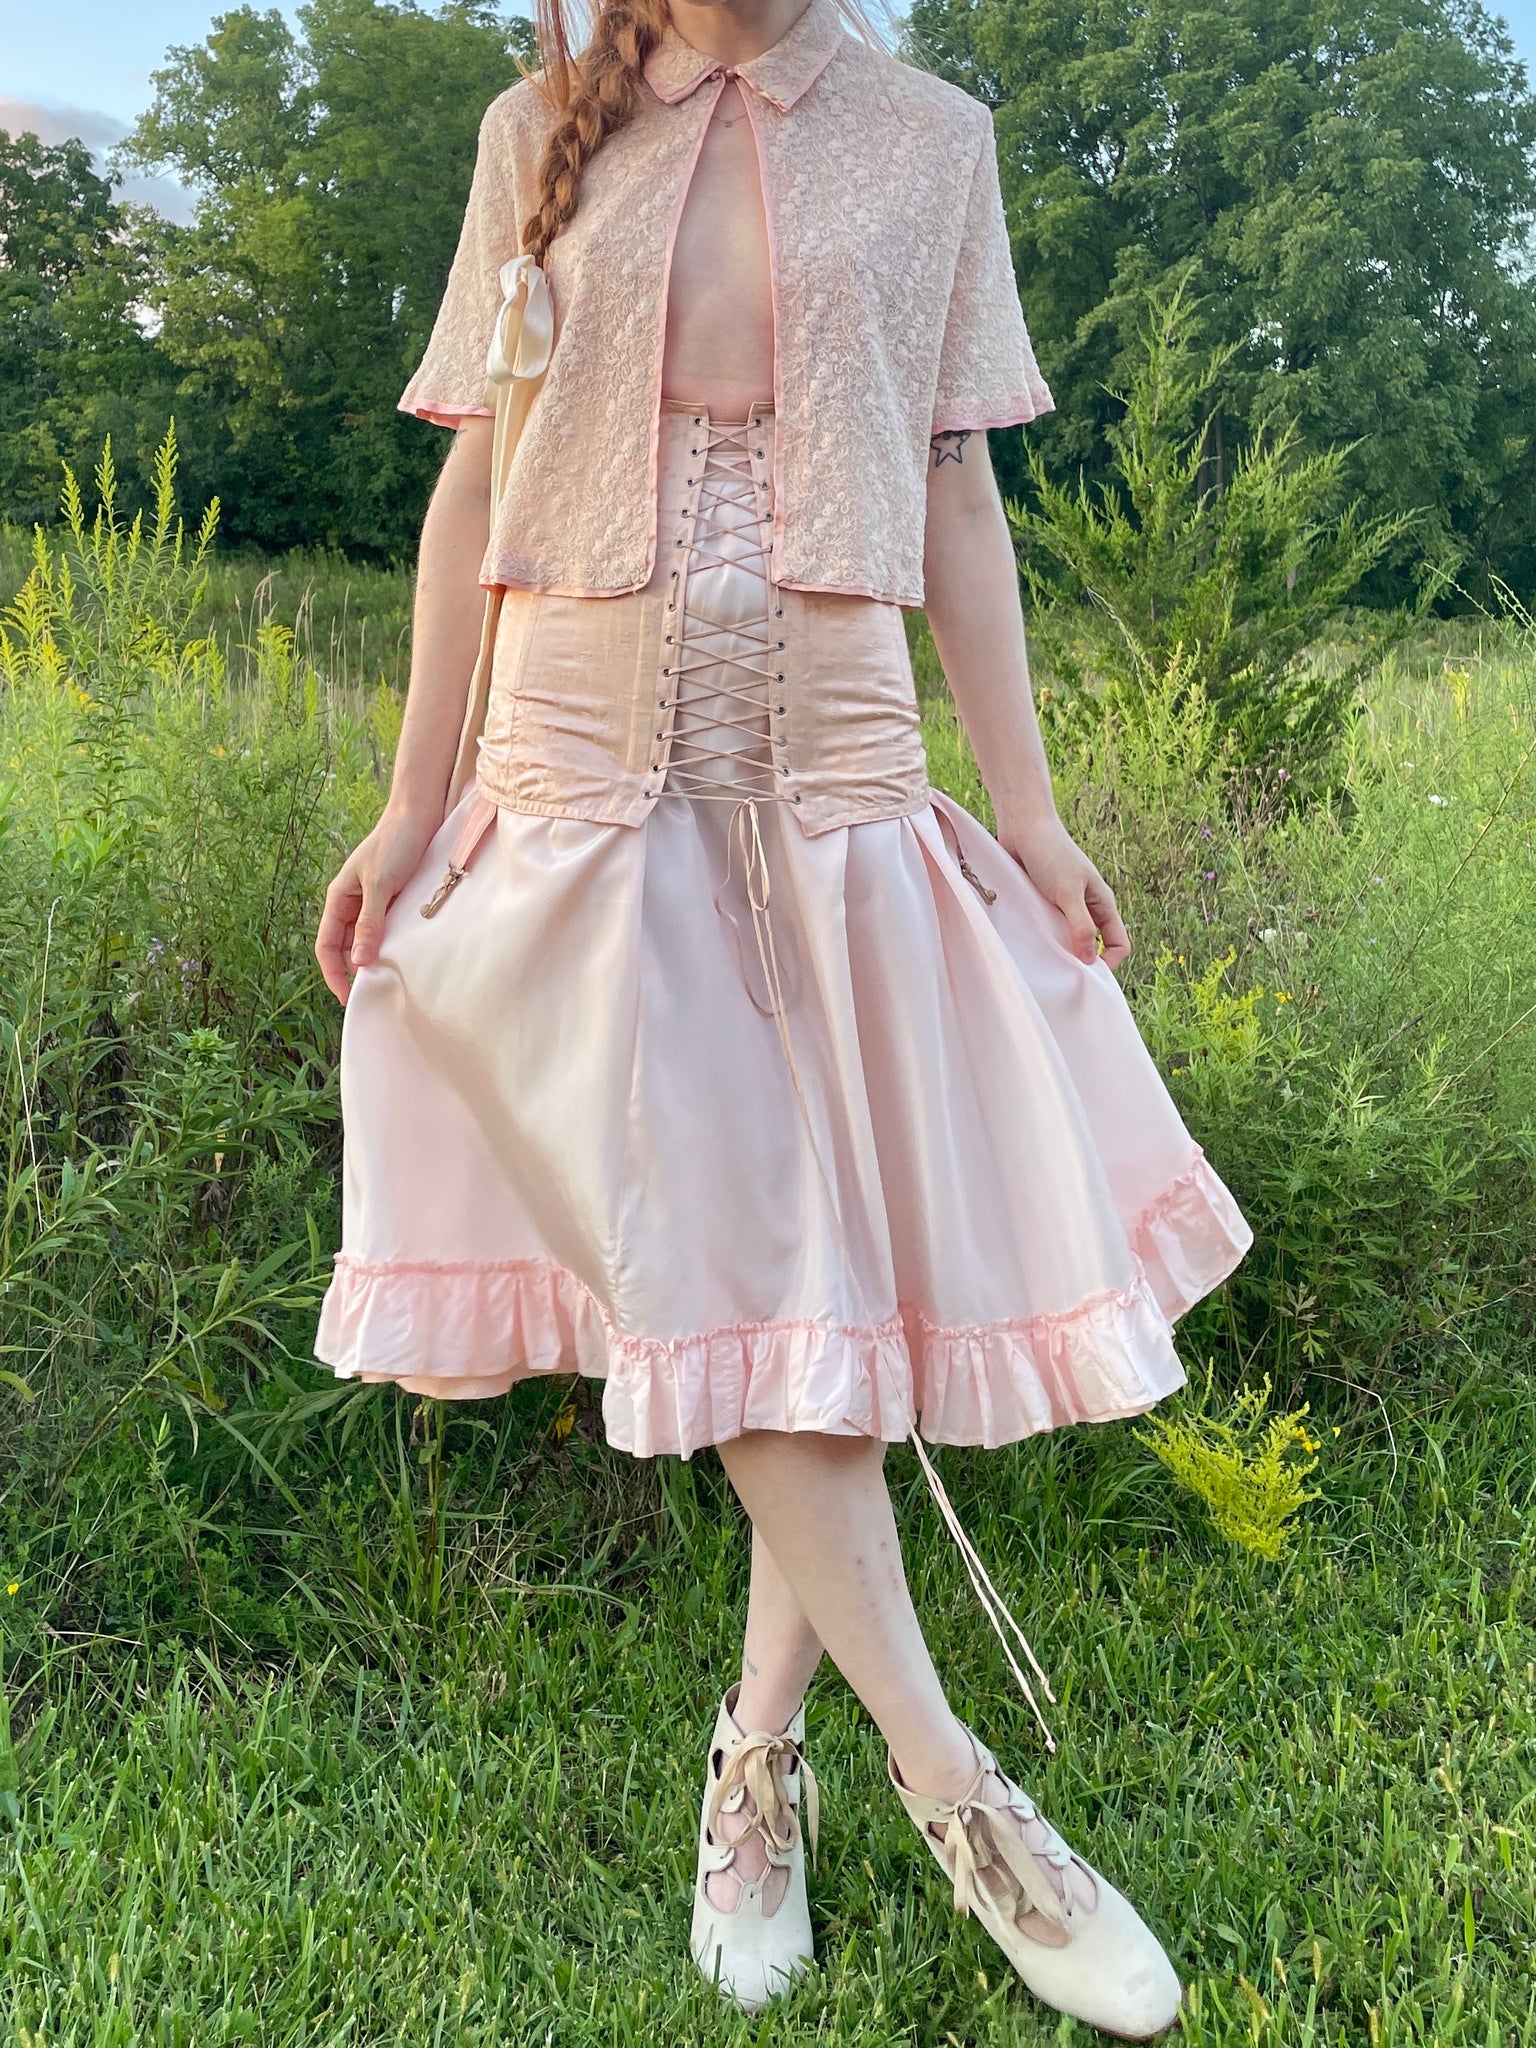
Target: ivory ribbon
751,1773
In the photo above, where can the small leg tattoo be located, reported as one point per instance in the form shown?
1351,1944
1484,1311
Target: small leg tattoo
955,452
747,1661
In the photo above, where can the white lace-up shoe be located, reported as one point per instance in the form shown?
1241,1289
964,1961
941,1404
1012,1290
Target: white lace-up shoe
752,1951
1074,1940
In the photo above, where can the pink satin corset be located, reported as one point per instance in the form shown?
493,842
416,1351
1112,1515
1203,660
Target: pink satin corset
583,714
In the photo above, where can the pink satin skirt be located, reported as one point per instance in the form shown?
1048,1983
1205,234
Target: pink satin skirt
762,1130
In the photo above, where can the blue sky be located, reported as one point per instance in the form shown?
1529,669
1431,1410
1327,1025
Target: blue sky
82,67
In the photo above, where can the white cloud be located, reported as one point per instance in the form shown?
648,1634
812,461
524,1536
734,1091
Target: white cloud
52,122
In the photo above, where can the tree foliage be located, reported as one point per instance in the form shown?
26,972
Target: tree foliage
1351,186
332,166
75,363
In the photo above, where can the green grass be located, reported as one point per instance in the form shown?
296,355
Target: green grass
476,1826
337,1718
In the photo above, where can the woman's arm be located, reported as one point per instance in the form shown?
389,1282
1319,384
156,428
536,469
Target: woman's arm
445,638
977,624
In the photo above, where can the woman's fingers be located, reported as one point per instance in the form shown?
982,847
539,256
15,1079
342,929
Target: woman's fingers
1082,932
343,900
1106,917
368,932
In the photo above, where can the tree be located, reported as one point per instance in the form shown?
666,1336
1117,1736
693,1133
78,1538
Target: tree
332,168
1353,188
75,363
1183,588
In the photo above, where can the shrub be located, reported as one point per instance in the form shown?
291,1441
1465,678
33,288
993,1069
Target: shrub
1228,581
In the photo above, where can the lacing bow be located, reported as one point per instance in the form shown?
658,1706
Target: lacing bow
977,1838
755,1769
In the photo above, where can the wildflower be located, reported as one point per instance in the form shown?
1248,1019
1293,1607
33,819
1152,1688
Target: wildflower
155,952
1439,799
1283,995
1269,935
1210,875
1376,881
1284,774
14,1588
1205,831
1247,1465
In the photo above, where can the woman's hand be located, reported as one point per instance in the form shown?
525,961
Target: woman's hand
1066,877
972,584
444,635
352,923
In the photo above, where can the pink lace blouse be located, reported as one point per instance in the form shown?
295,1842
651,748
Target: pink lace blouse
896,313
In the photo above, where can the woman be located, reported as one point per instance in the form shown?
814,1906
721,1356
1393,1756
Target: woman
731,1064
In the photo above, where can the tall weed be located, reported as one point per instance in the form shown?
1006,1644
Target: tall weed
165,1053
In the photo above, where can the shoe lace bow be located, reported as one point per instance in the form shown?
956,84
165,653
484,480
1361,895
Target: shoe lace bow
978,1837
756,1769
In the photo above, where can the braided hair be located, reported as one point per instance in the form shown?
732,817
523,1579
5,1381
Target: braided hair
596,94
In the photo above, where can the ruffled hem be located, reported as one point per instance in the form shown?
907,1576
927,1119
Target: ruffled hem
1191,1238
472,1330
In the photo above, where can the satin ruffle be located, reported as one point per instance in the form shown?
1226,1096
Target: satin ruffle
571,1143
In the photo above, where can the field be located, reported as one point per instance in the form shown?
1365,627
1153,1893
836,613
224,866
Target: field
337,1719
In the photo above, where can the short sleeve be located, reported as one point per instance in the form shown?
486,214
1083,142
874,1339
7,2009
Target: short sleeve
988,376
449,384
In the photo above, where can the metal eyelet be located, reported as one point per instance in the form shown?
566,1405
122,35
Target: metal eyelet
778,710
795,798
781,643
785,769
779,677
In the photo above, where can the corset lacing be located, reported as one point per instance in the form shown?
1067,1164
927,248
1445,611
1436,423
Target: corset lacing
721,748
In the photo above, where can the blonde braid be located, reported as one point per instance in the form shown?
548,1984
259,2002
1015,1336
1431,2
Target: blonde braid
608,75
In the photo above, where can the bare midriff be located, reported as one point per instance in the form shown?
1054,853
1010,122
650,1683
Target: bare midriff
719,340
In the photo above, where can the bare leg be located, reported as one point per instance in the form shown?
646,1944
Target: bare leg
780,1651
778,1659
821,1506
